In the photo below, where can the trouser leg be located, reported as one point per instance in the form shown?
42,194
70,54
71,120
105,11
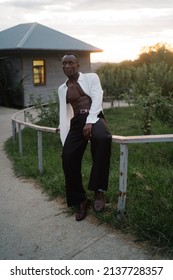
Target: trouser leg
72,154
101,152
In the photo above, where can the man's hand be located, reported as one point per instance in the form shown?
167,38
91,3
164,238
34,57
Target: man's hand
87,131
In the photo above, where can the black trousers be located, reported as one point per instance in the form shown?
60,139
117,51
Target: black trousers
72,154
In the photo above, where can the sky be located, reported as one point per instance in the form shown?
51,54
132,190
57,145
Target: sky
120,28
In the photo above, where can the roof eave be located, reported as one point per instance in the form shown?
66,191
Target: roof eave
49,50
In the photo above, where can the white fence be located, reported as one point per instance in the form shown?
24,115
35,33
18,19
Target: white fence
122,140
18,123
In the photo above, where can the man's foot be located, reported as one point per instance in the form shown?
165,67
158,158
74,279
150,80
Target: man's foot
82,210
99,201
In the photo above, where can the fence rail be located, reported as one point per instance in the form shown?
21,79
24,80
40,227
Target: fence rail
123,166
18,123
124,141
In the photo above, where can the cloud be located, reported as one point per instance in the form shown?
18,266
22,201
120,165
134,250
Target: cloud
100,23
90,5
34,5
121,4
111,22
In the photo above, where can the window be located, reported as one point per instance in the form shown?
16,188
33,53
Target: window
39,72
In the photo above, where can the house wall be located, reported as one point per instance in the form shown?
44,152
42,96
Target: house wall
54,75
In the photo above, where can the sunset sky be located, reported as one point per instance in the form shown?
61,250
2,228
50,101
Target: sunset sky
121,28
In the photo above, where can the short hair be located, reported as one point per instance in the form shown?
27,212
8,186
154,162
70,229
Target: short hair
74,54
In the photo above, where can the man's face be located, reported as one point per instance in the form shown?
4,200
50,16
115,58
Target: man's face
70,65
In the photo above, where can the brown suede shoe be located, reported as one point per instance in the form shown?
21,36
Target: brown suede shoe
99,201
82,211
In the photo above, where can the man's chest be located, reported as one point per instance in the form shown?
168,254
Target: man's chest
74,92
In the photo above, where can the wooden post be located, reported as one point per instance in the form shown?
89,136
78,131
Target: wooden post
40,156
122,180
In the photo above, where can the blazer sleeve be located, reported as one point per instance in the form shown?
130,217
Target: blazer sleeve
65,114
96,94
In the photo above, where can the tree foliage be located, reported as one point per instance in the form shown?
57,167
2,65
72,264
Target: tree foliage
146,82
155,54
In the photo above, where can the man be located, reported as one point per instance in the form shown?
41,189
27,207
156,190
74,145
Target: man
82,121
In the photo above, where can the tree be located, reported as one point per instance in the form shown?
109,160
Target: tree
147,82
155,54
115,79
151,93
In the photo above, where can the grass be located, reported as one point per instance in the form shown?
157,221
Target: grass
149,203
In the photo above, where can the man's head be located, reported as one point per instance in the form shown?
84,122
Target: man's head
70,64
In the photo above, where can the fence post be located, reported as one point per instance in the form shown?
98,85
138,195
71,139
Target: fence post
14,131
122,180
25,116
20,139
40,157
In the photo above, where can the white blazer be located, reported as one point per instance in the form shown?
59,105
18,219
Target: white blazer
90,83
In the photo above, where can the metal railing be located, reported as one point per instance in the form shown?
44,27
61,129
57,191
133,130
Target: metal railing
16,123
123,166
124,141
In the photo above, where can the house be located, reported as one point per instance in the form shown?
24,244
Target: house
30,62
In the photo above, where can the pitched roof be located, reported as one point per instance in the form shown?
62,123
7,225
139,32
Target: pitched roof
34,36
